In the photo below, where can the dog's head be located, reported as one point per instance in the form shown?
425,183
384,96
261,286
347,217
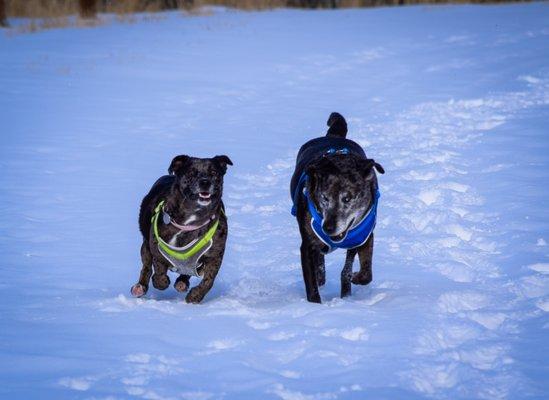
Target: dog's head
200,180
342,187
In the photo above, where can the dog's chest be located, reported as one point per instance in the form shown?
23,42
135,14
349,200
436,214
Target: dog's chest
183,241
180,239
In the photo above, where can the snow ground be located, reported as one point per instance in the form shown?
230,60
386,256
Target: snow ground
453,101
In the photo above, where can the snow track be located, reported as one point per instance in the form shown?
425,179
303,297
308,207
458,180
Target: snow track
452,101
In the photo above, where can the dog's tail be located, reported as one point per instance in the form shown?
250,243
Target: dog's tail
337,124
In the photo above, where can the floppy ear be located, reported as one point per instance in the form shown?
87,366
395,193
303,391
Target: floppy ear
223,161
178,165
312,176
367,167
379,168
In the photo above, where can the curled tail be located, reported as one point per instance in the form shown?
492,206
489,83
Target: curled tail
337,124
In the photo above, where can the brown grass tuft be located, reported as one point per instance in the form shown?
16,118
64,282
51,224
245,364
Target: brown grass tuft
3,16
56,10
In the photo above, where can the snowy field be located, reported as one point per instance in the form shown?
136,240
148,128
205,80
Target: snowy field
453,101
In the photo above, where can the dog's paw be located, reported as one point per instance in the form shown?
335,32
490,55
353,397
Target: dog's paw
181,286
194,296
138,290
361,279
160,282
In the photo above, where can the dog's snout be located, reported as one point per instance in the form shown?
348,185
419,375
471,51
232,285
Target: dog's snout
329,227
204,184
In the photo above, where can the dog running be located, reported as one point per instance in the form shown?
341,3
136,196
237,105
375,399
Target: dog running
184,227
335,194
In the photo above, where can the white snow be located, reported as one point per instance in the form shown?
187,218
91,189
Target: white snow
429,196
540,267
452,101
352,334
80,384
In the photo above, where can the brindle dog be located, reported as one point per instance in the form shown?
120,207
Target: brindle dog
192,198
342,185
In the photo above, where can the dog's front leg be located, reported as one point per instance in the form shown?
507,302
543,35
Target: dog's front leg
141,287
160,278
320,268
308,258
365,253
197,293
347,272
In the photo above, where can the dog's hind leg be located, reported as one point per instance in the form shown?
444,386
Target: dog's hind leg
308,257
320,269
365,253
347,273
182,283
160,278
141,287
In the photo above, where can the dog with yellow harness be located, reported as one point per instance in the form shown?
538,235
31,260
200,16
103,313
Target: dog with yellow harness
184,226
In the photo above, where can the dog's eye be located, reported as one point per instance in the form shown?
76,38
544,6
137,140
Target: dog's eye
346,199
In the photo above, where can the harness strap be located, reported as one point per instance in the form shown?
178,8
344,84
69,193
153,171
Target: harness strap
356,236
298,191
174,252
185,228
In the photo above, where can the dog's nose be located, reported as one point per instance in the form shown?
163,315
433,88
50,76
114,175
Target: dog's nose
329,227
204,184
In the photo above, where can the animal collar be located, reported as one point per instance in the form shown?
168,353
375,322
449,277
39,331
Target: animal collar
185,260
167,219
355,237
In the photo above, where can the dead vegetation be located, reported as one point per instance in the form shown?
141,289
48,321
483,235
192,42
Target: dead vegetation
45,14
3,17
88,8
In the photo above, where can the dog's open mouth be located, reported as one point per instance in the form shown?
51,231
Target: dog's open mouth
204,198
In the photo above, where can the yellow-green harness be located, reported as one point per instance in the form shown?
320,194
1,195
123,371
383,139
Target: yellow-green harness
183,259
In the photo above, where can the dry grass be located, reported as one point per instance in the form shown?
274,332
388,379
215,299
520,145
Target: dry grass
57,8
60,8
3,16
41,8
47,14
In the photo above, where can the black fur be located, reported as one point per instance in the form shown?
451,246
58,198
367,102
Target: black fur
158,190
337,125
183,191
342,187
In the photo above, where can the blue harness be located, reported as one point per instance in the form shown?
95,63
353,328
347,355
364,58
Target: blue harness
355,237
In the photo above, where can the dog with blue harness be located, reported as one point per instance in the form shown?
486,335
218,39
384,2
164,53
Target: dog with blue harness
335,196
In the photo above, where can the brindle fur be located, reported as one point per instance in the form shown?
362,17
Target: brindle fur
180,192
333,177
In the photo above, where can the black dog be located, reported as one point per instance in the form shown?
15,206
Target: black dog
335,194
184,226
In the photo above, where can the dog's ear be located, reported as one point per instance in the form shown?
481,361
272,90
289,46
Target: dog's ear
222,162
378,167
367,167
314,173
312,176
178,165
